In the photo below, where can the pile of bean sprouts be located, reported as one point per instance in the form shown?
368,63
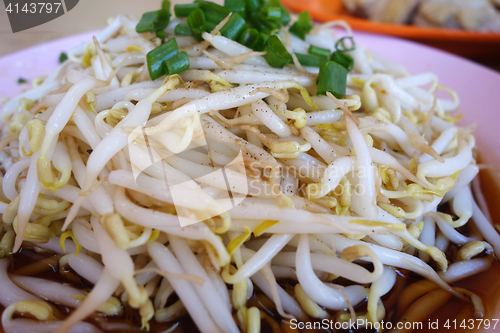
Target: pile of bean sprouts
344,189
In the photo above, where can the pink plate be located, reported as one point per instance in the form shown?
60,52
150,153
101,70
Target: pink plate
477,86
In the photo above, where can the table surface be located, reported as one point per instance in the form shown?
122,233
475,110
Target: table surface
88,15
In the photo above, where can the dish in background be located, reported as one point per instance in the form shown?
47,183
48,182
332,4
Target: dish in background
481,46
470,15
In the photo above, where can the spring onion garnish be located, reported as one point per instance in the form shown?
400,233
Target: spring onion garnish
319,51
183,10
161,34
341,44
277,55
250,37
271,13
197,23
153,21
261,43
63,57
309,60
343,59
252,23
214,13
252,5
165,5
259,23
157,56
234,27
183,30
332,77
176,64
210,26
267,16
21,81
236,6
272,26
302,26
147,21
285,16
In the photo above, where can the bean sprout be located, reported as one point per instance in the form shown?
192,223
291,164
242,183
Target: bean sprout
231,190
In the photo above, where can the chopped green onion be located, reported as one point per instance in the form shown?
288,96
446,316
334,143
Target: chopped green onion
340,45
261,43
309,60
176,64
263,25
213,12
147,22
153,21
21,81
160,34
183,10
285,15
252,5
267,27
250,37
272,13
273,26
305,19
297,31
163,20
277,55
236,6
343,59
197,23
157,56
259,23
234,27
302,26
165,5
63,57
183,30
333,78
211,26
319,51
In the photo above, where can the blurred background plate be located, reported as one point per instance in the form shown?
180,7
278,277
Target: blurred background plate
484,47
